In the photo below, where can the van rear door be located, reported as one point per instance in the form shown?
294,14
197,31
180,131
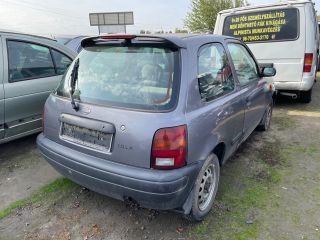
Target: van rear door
274,34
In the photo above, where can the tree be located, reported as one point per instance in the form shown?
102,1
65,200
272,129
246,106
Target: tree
145,32
202,17
178,30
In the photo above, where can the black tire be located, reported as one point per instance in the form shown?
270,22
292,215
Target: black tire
199,208
266,120
306,96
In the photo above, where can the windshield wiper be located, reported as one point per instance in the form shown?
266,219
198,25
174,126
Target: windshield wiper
74,78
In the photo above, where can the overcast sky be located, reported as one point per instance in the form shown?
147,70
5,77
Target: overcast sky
71,16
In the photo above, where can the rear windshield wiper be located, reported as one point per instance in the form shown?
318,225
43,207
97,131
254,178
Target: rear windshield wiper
73,82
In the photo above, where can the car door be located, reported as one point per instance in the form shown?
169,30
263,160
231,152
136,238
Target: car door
29,77
252,86
221,110
1,94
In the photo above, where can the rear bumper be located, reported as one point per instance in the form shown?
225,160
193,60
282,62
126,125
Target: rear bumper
155,189
304,85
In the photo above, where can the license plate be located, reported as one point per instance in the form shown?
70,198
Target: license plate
87,137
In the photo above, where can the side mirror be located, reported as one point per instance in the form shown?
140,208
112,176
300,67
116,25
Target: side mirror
269,72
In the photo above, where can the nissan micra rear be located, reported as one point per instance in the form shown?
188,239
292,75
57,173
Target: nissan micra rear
151,119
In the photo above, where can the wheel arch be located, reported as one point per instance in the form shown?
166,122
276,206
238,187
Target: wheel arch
220,150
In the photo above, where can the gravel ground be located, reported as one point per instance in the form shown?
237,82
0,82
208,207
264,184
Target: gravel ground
22,170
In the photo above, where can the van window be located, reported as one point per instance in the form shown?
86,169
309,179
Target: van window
28,61
62,62
214,72
244,64
264,26
138,77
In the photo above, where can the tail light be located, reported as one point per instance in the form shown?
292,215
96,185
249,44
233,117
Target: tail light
169,148
42,120
308,60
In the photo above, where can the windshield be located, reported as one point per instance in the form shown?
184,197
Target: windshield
131,77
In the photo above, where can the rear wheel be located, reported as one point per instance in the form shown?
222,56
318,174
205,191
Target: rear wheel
205,189
306,96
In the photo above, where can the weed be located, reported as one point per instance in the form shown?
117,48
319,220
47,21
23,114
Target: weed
60,185
284,123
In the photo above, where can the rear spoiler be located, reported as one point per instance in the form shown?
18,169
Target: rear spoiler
170,40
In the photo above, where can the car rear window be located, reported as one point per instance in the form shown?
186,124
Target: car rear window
138,77
264,26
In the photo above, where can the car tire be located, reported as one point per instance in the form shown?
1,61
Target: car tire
306,96
205,189
266,120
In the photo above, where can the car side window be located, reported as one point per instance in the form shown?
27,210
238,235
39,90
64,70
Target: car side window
214,72
28,61
245,65
62,62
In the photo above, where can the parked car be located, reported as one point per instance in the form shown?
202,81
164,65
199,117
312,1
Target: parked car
31,67
285,33
75,43
150,119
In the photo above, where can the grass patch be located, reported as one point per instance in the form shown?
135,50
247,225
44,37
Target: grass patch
310,150
245,191
234,205
249,233
60,185
271,154
284,123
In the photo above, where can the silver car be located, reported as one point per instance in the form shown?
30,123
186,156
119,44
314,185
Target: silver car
31,67
150,119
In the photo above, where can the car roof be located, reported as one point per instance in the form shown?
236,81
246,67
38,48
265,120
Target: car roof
40,39
179,40
25,34
253,7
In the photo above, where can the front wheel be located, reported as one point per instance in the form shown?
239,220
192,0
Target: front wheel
205,189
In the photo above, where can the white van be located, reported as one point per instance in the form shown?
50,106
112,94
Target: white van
284,33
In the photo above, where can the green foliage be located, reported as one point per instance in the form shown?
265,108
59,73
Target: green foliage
178,30
60,185
202,17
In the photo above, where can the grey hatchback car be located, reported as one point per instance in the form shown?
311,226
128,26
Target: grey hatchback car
151,119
